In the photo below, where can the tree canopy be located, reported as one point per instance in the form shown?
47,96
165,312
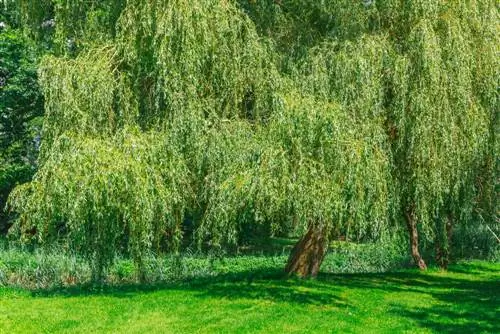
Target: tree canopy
300,115
21,105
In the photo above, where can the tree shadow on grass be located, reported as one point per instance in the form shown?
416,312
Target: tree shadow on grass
288,291
255,285
462,305
475,268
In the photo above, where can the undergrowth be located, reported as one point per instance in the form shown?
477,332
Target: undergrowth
44,268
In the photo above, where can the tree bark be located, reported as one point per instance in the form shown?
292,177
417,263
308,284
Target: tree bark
411,223
308,254
443,245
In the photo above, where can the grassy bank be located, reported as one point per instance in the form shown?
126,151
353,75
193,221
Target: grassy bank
463,300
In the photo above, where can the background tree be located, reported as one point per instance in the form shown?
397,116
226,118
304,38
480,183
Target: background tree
21,105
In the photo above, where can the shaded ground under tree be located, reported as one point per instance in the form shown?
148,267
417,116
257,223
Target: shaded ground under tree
463,300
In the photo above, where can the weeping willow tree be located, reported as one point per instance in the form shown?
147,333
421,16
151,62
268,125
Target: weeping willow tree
417,66
143,109
102,181
340,176
438,112
428,70
164,112
311,165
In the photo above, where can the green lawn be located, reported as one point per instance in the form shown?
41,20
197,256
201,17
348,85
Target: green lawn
463,300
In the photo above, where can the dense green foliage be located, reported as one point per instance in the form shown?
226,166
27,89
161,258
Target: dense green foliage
462,300
21,105
170,121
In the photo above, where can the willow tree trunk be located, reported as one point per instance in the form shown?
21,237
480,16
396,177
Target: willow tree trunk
411,223
308,254
443,245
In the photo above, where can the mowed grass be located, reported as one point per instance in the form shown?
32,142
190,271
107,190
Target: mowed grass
464,299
